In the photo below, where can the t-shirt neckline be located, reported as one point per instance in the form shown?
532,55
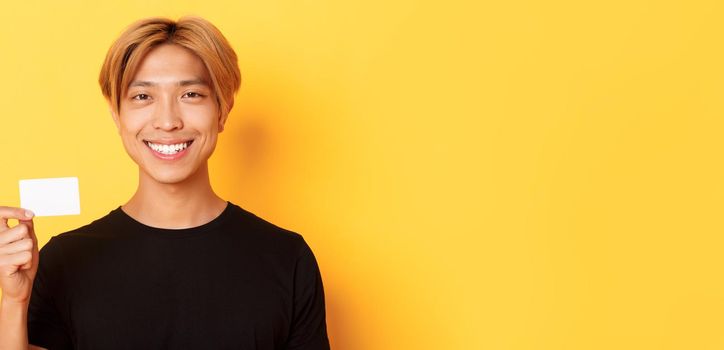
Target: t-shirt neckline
173,232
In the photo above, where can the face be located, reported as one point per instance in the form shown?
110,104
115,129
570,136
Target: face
169,119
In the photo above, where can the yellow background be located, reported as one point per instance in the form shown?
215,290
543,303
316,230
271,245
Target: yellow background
470,175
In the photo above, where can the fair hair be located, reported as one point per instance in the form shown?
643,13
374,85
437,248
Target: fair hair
193,33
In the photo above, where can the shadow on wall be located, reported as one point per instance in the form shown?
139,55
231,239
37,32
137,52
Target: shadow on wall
338,330
253,140
244,155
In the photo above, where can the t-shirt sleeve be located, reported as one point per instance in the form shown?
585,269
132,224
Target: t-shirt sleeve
309,328
45,322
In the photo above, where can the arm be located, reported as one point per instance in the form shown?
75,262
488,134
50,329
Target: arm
309,328
18,266
13,324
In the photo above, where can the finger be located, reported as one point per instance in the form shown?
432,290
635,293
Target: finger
17,259
35,251
31,227
17,246
27,265
13,213
15,233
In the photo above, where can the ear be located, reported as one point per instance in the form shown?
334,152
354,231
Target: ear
116,120
222,121
224,116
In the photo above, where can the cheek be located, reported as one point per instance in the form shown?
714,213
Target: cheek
130,128
202,117
135,119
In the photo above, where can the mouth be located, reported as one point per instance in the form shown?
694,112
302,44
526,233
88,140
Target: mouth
168,148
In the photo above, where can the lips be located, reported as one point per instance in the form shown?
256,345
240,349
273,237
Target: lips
168,150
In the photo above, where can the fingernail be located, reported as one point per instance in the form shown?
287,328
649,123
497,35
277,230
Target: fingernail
29,214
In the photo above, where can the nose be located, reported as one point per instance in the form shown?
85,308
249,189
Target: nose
167,116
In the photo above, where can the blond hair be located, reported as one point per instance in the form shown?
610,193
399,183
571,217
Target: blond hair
193,33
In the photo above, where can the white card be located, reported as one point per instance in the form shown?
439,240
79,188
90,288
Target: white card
50,197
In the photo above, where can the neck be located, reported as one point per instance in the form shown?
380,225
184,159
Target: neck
185,204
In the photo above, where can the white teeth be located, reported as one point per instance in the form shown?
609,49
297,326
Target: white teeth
168,149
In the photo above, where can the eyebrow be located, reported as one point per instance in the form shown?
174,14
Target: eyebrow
179,83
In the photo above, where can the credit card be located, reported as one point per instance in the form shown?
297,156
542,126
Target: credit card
51,196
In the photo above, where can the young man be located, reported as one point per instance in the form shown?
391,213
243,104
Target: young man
176,267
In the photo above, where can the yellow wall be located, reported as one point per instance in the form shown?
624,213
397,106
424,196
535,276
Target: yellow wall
471,175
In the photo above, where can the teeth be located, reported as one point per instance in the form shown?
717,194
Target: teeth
168,149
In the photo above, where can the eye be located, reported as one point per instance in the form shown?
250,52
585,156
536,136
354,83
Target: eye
141,97
192,94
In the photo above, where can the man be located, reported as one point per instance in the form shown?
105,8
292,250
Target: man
176,267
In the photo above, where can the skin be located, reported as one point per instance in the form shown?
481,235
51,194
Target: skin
170,99
171,194
18,266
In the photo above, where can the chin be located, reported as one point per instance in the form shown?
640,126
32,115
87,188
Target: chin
169,177
169,180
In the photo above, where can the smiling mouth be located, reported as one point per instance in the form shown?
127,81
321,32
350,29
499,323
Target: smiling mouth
168,149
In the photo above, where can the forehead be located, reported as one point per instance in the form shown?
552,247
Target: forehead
171,63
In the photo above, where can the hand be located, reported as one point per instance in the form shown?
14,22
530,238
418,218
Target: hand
18,254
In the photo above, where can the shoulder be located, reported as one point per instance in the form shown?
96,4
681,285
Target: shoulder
266,234
103,227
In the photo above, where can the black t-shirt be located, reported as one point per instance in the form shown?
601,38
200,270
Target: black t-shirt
237,282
